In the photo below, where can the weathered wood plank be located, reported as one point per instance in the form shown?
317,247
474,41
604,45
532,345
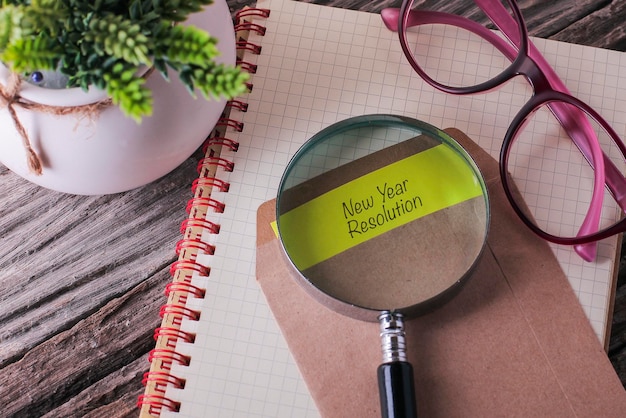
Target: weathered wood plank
113,396
63,256
82,368
604,28
545,19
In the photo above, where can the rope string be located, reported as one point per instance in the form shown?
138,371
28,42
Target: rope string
10,98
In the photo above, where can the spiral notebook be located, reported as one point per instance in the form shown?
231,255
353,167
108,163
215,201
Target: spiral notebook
219,351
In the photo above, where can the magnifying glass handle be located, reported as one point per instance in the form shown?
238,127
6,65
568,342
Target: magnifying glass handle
395,375
397,391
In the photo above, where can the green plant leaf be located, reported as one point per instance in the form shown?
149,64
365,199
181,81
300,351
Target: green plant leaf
215,82
47,16
31,54
188,45
119,37
128,92
9,25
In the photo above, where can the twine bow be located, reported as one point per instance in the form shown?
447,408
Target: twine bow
10,98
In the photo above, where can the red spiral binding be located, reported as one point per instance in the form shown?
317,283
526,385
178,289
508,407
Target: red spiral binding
249,46
247,66
220,140
164,355
204,224
174,334
227,165
250,12
210,182
207,202
169,357
238,104
185,288
250,27
156,404
194,244
163,379
178,313
235,124
189,265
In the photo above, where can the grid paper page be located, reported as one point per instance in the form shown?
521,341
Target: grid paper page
320,65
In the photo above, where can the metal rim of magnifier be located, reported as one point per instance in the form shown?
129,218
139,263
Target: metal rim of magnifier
392,121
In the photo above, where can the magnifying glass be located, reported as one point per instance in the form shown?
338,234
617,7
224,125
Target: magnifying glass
383,217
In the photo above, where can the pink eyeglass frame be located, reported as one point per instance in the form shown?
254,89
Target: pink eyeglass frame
548,89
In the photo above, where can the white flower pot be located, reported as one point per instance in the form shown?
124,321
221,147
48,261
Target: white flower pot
108,152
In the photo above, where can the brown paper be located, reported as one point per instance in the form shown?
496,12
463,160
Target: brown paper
513,342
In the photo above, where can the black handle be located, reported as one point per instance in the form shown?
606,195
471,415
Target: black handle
397,391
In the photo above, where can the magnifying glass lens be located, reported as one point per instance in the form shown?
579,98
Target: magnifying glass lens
382,213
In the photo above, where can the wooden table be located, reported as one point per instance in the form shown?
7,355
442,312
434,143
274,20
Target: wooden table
82,277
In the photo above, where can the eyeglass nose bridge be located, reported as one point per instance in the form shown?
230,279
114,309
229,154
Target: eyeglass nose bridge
527,67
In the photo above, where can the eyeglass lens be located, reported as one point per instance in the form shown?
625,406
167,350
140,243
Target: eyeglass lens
555,181
454,52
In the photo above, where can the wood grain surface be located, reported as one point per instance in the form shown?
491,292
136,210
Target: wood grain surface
82,277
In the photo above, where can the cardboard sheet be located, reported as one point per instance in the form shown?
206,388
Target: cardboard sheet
513,342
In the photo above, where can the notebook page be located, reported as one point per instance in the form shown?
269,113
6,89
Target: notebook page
320,65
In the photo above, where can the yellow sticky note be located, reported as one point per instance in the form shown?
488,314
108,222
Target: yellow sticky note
377,202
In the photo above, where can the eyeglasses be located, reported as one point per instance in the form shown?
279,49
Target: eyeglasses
558,153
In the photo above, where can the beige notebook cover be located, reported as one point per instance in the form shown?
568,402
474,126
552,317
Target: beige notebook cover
513,342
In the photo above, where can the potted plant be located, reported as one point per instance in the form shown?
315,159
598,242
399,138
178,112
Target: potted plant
93,61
